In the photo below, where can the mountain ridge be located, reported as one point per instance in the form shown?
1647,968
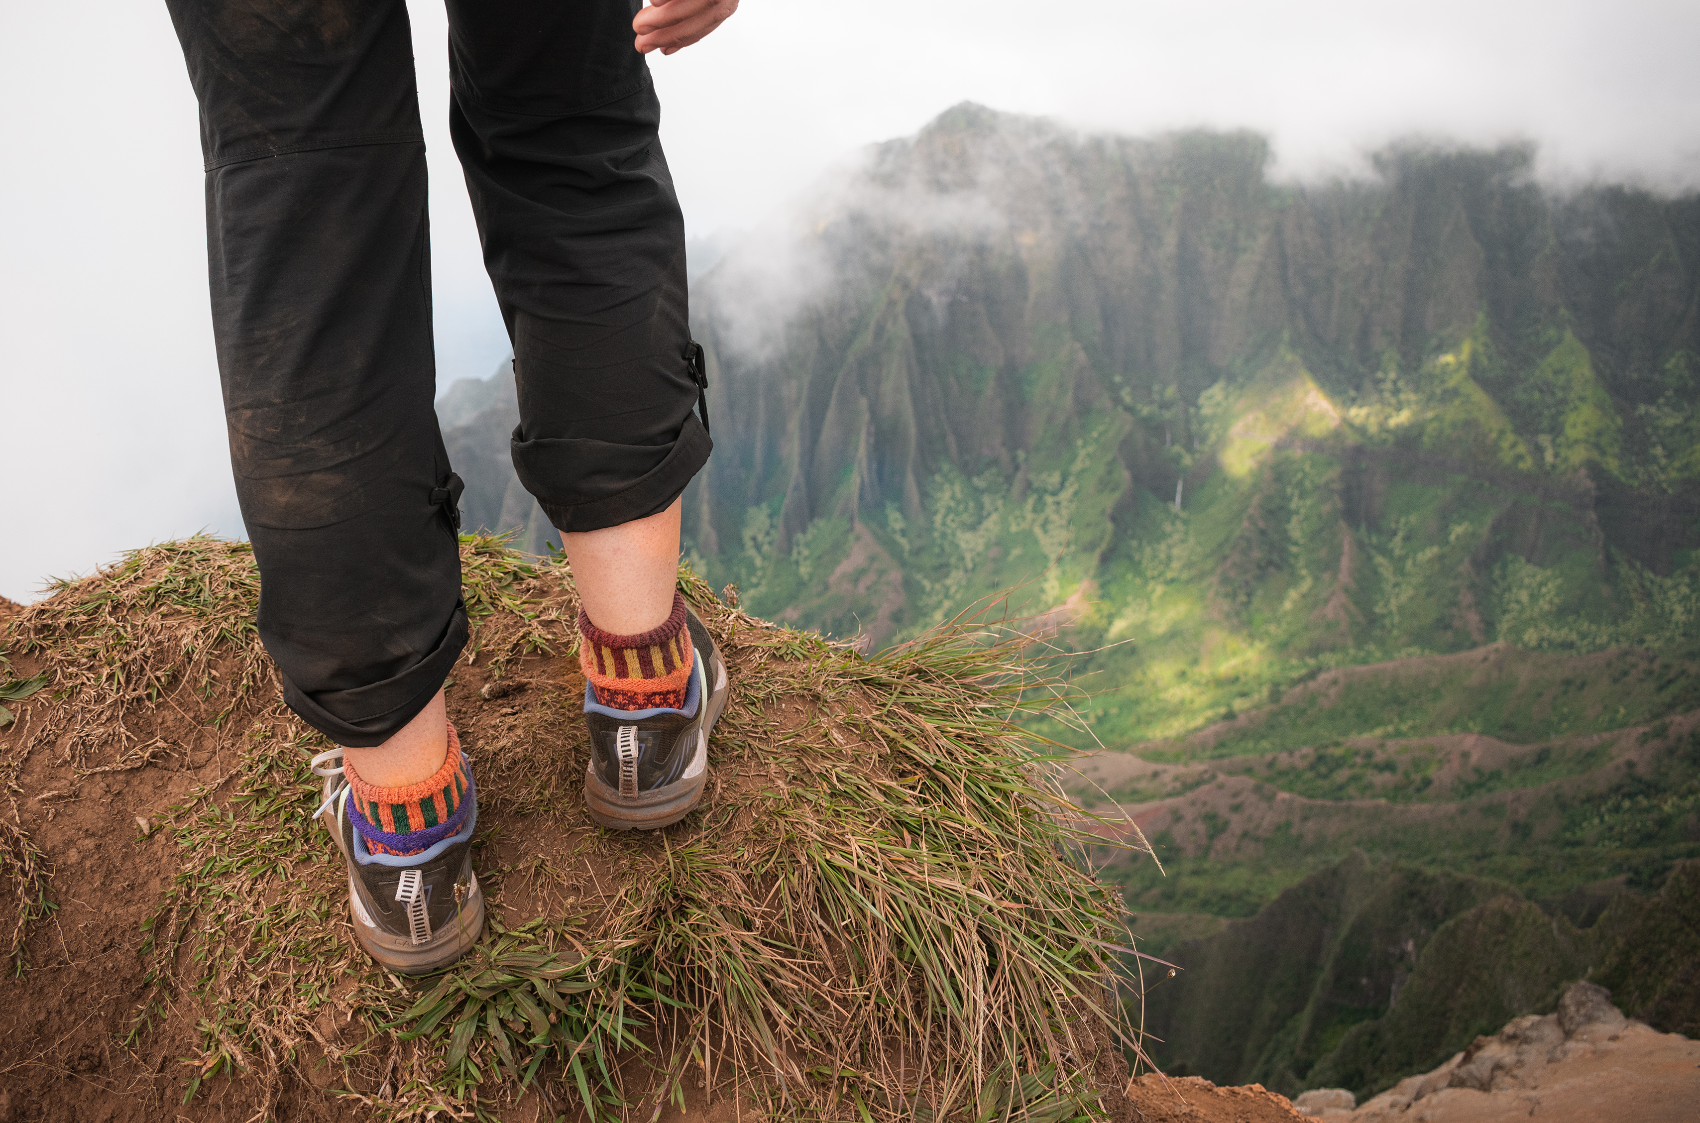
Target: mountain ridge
1071,326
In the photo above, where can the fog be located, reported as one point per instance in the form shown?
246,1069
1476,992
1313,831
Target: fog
112,434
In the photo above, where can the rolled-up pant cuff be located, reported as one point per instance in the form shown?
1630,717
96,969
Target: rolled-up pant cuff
584,484
367,716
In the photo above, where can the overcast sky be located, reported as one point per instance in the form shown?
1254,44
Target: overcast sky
111,434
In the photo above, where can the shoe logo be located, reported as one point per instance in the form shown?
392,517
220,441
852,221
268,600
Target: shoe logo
411,892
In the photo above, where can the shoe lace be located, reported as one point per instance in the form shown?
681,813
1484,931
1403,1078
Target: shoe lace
321,765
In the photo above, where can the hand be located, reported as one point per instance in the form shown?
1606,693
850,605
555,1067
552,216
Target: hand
671,25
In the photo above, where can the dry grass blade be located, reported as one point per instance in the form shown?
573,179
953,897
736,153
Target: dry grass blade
23,866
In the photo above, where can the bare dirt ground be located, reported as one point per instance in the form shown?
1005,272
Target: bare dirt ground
1193,1099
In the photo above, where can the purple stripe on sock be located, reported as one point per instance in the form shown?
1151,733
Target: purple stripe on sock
415,840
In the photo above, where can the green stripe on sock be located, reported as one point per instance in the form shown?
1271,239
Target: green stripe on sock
399,810
428,808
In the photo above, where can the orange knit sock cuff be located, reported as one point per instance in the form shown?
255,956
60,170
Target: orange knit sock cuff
412,807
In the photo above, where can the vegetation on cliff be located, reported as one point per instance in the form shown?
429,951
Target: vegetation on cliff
877,912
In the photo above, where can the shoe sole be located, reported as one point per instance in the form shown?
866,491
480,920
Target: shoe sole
402,956
663,806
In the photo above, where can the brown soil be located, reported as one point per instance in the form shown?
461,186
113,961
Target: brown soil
1193,1099
64,1020
67,1048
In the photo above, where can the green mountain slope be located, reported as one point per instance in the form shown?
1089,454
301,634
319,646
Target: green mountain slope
1365,972
1254,429
1373,508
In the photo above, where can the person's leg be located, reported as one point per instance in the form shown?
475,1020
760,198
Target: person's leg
319,269
626,574
414,753
556,124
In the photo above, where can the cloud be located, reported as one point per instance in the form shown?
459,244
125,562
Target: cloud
1604,90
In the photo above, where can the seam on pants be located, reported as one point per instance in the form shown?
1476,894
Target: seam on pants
360,140
513,106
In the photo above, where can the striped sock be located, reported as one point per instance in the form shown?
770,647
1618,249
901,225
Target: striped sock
410,819
643,672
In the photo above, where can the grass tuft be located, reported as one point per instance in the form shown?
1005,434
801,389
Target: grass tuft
882,910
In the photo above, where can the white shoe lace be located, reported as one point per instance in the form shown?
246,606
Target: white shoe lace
335,778
410,892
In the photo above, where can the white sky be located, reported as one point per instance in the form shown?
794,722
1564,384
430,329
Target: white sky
110,428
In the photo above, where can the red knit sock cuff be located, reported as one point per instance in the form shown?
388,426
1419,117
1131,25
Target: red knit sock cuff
650,670
674,624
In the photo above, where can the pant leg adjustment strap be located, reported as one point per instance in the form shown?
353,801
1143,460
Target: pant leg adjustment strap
699,374
448,498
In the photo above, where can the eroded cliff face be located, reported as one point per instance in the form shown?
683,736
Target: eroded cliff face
1004,352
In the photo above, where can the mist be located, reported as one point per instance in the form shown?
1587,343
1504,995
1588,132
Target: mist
113,431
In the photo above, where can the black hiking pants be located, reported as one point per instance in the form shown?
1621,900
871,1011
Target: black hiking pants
319,261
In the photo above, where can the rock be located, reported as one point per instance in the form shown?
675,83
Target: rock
1584,1064
1533,1031
1436,1080
1485,1057
1318,1100
1587,1004
502,687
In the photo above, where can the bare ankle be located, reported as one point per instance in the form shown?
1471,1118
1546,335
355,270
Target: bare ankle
416,752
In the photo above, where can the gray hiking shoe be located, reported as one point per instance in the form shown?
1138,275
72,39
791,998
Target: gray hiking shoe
412,914
647,767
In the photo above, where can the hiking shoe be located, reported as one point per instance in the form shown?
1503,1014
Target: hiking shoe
647,767
412,914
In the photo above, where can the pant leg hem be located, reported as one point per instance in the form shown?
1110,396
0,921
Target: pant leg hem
375,713
650,494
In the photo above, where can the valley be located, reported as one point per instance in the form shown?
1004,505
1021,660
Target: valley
1361,517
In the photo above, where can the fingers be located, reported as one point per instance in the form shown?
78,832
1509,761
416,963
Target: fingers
670,25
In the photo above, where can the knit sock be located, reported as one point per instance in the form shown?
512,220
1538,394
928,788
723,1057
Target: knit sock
414,817
647,671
